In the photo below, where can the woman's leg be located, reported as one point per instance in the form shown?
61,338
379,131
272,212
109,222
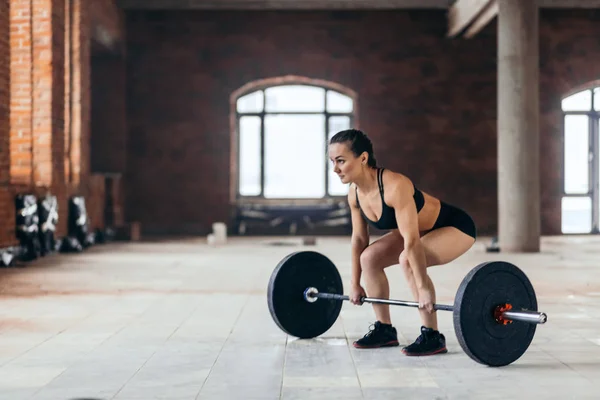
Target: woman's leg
441,246
379,255
374,259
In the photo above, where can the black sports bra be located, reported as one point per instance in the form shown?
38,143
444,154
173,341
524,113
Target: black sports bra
388,215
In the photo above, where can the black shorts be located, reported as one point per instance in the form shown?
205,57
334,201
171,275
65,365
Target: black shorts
454,216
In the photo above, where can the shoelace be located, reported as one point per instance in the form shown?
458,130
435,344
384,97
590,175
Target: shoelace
372,329
420,339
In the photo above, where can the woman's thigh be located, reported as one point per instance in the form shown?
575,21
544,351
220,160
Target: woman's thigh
383,252
445,244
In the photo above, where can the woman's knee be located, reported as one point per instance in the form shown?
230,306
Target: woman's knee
369,260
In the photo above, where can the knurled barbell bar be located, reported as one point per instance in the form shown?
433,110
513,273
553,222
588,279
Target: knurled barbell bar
495,309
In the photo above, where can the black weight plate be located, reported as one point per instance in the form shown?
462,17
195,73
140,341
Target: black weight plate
486,286
285,293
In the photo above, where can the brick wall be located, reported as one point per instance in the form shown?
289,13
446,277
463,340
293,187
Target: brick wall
108,123
4,92
48,88
107,24
5,214
49,132
428,102
21,109
77,138
95,201
414,90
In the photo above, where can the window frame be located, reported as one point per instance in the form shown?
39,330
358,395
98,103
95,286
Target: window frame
260,198
593,192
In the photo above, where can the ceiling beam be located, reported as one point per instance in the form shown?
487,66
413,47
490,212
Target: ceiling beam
484,18
471,16
283,4
463,13
322,4
569,3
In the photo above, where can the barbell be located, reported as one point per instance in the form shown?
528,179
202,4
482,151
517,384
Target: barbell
494,313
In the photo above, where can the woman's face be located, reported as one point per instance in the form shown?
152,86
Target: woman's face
345,164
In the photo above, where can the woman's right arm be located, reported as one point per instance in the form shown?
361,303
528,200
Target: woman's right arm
360,237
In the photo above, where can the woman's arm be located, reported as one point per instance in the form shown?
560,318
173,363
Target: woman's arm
360,236
401,199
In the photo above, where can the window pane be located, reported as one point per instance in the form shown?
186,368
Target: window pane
581,101
576,154
294,156
337,102
295,98
251,103
249,151
597,99
337,124
336,187
576,214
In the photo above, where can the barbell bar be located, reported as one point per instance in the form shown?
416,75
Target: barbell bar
311,294
494,313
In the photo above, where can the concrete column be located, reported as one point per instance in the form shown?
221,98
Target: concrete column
518,127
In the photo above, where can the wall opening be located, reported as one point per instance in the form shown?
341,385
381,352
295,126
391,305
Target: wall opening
282,128
281,178
580,202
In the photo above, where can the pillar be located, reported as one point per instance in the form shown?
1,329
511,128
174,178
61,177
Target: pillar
518,127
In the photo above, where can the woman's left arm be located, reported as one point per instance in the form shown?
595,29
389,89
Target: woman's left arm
401,200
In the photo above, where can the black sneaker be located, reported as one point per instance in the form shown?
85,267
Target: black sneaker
379,335
430,342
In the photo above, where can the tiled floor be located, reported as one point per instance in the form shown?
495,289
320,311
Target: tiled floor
181,320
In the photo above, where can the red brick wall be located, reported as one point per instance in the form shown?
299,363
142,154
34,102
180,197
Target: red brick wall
5,212
116,191
49,109
95,201
4,92
21,108
85,96
107,136
428,102
77,139
57,108
48,87
108,123
107,23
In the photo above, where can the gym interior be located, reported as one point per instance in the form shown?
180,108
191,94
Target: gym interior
162,160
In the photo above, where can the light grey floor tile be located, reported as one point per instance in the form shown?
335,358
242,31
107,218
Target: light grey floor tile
183,320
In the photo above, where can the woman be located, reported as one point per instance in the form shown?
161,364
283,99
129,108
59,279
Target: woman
423,231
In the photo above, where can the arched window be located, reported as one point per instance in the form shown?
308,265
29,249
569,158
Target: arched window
581,174
282,134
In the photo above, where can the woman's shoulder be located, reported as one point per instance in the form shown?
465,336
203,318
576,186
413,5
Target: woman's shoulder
395,178
398,188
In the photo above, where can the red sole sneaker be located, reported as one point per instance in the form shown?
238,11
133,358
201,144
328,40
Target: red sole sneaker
439,351
393,343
